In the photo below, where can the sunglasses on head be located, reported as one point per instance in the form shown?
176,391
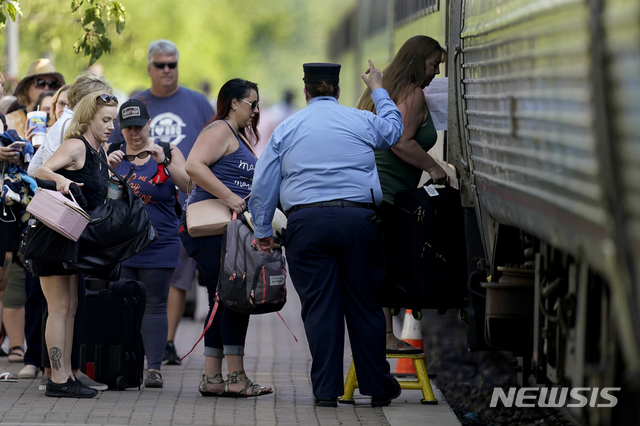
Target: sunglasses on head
41,84
253,104
108,98
161,65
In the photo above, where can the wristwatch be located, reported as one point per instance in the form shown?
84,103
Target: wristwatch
166,162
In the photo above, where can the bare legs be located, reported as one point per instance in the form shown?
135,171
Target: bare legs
13,320
175,310
61,293
392,340
4,275
234,363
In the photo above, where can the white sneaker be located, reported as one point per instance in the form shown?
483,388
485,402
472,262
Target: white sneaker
29,372
43,383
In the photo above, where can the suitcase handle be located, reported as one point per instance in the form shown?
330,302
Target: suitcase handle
444,183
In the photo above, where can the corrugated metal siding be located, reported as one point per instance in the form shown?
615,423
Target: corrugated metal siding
529,115
621,23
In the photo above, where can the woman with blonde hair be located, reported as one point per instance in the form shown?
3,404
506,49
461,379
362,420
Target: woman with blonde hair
59,103
78,162
411,70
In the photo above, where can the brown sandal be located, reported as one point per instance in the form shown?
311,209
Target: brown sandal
212,379
256,389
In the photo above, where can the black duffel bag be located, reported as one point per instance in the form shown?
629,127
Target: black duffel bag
118,229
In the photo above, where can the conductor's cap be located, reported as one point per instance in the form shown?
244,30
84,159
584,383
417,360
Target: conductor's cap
316,73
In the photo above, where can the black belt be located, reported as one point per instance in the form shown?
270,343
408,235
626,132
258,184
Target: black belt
332,203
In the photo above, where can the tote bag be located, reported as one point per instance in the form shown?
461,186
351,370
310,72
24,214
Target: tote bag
206,217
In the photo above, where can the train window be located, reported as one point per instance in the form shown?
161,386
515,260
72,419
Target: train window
408,10
375,17
342,39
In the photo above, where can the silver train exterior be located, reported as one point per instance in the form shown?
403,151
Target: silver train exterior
544,134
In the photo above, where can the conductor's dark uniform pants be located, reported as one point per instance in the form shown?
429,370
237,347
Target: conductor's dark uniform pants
336,262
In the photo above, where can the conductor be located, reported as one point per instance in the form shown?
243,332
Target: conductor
320,165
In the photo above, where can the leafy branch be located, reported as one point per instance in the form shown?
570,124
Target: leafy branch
94,17
94,42
11,8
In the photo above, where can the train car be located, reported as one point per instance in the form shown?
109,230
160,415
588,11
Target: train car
544,134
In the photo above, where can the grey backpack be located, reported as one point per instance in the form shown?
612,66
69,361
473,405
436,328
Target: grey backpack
250,282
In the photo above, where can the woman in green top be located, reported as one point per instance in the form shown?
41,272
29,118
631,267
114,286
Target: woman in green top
400,168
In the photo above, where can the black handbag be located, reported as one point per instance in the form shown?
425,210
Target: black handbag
43,243
118,229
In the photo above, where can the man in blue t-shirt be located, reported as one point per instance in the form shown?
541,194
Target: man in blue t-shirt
177,115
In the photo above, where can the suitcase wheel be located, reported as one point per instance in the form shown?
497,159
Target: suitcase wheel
394,311
417,315
121,383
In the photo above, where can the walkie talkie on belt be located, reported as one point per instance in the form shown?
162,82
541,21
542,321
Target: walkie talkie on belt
374,216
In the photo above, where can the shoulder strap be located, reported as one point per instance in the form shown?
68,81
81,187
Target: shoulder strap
62,130
166,147
114,147
243,140
117,175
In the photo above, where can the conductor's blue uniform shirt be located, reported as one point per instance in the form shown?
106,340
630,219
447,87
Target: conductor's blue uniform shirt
323,153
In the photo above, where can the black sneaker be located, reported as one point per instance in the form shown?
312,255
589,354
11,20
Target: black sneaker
327,402
170,355
70,389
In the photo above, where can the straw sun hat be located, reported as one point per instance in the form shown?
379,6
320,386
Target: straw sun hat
39,67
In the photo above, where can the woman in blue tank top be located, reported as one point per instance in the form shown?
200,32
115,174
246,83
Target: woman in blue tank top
157,170
221,163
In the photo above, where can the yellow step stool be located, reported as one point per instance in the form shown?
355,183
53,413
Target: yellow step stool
423,383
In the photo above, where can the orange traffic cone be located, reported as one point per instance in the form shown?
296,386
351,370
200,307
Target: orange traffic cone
411,334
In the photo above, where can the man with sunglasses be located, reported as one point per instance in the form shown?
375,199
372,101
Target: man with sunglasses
41,76
177,116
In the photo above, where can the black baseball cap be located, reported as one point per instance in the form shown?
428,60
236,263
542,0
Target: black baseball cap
133,113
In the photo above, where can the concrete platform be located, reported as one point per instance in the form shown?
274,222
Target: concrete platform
273,359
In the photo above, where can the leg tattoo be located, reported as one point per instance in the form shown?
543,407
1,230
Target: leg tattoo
56,355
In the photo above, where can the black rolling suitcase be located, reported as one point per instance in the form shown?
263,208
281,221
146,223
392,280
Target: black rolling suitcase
111,349
428,268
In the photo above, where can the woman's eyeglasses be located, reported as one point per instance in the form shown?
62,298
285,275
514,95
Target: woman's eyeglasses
140,155
161,65
255,104
41,84
108,98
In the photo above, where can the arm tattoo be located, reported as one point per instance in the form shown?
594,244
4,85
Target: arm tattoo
210,126
56,355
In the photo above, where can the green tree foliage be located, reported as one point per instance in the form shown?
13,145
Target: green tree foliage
11,9
94,17
266,42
